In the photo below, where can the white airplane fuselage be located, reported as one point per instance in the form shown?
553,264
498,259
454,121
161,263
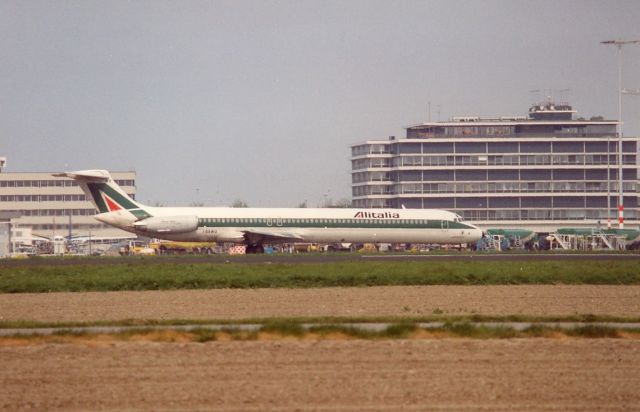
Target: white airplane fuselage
257,226
310,225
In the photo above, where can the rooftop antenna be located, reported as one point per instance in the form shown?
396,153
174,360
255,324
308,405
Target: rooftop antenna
535,92
634,92
563,95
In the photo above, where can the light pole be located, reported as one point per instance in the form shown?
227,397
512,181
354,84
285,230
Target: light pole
632,92
619,44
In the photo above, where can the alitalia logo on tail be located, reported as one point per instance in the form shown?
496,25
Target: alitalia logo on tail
107,199
378,215
112,206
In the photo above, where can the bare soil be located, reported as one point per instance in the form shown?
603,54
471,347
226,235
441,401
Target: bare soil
335,374
539,300
448,374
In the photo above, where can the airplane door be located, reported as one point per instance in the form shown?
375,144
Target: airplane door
279,221
269,222
444,225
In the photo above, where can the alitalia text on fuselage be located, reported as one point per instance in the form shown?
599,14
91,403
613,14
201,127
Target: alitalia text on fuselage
378,215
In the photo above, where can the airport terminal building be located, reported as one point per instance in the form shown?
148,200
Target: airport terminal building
542,172
53,206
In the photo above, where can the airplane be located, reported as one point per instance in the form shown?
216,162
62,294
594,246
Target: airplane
254,227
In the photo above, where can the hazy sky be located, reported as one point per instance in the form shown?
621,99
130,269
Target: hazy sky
210,101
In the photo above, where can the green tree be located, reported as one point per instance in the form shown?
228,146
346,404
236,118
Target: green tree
239,203
342,203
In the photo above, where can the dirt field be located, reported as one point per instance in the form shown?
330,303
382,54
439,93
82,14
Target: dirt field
451,374
560,300
289,374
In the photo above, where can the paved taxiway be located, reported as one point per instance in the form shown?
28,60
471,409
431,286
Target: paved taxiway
312,258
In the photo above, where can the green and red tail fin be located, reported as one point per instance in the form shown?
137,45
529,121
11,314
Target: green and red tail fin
104,193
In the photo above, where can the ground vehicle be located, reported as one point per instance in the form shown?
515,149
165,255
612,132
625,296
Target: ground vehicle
136,248
305,247
368,248
337,247
163,247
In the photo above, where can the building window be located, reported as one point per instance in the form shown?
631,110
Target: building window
466,175
411,148
438,175
438,147
470,147
502,147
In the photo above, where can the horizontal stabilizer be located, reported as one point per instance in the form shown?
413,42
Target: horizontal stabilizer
86,175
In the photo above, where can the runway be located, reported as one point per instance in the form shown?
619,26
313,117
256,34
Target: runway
312,258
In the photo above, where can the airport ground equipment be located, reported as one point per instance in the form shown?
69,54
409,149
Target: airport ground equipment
136,248
505,239
167,247
597,239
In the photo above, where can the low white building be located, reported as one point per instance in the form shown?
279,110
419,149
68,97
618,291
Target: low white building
5,233
54,206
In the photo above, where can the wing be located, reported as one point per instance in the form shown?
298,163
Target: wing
270,236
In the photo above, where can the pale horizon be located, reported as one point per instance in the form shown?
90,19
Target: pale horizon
210,102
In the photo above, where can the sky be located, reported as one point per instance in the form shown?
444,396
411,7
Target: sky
213,101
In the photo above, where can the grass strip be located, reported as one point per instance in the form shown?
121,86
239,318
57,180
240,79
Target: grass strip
166,276
585,318
331,332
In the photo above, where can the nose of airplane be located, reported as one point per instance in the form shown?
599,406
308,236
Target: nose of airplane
476,233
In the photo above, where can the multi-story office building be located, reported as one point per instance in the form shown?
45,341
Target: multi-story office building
56,206
543,171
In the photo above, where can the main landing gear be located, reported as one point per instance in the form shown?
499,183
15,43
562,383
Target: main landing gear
254,245
254,248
